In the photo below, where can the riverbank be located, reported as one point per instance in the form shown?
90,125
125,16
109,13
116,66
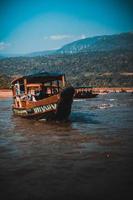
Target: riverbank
6,93
105,90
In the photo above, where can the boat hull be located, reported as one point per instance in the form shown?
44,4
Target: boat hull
56,107
37,112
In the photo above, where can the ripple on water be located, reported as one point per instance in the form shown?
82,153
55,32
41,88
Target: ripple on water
92,151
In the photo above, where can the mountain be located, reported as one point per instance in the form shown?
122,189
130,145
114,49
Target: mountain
1,56
9,55
33,54
101,61
123,41
41,53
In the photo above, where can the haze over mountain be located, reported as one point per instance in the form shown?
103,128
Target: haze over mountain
123,41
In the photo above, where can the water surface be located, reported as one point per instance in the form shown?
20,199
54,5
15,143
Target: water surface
88,157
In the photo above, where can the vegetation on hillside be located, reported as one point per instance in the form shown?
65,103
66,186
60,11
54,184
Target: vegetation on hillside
5,81
94,68
123,41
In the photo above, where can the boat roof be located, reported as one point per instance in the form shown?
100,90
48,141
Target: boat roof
40,77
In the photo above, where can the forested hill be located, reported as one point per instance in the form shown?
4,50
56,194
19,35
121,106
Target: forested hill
106,68
5,81
123,41
96,61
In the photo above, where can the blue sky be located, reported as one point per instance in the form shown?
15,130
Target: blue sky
36,25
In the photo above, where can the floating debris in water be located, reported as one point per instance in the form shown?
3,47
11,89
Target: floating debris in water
105,106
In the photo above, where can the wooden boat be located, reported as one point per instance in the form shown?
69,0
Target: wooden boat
84,92
42,95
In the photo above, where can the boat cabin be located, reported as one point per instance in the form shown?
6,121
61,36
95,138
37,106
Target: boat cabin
33,88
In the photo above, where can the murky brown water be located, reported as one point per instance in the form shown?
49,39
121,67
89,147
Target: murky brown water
89,157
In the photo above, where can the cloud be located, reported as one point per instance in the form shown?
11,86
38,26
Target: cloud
4,45
83,36
58,37
64,37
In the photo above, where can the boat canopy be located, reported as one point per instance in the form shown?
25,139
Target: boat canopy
40,77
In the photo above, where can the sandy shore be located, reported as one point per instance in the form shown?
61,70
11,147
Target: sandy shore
5,93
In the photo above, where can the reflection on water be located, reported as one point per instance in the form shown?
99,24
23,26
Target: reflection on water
89,156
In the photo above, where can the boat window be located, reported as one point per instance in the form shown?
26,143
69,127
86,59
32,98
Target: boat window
22,90
17,88
47,84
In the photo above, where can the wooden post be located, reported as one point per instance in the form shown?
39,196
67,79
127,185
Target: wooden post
25,86
63,81
58,85
51,87
13,91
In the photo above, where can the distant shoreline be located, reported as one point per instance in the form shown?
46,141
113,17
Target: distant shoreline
102,90
6,93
